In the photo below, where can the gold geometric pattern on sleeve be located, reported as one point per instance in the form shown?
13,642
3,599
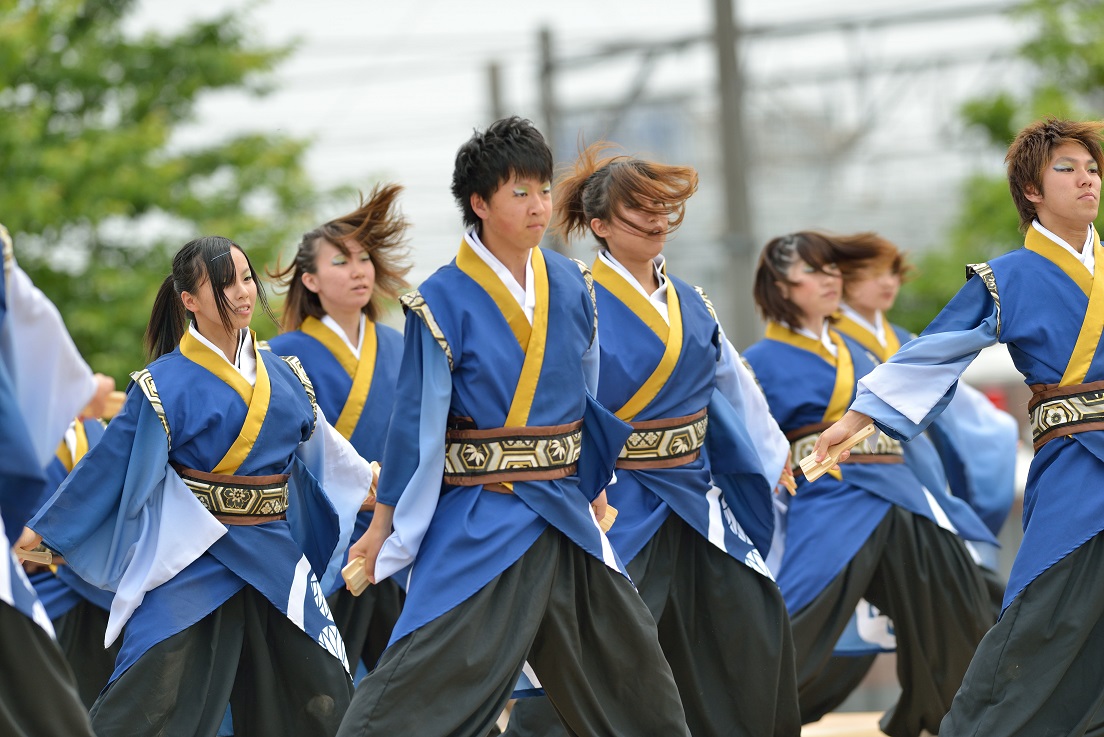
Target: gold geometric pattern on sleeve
588,278
708,303
144,380
301,374
8,249
985,271
415,302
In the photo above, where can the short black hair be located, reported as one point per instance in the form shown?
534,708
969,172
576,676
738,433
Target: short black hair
509,147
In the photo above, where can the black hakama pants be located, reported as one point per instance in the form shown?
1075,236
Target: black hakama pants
723,629
277,680
583,628
38,696
925,580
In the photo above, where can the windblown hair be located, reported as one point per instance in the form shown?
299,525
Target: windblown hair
775,261
203,260
604,187
1031,152
377,227
860,251
509,147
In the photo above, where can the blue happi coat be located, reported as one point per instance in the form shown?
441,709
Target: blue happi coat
830,519
725,494
464,357
1035,300
22,480
355,394
61,589
124,520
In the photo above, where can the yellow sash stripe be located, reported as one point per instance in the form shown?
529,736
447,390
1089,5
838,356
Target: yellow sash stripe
845,369
316,329
662,373
845,380
257,397
1088,339
469,262
1063,259
197,352
362,383
70,459
867,339
641,306
781,333
534,354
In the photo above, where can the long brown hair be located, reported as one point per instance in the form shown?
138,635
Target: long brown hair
378,227
604,187
865,250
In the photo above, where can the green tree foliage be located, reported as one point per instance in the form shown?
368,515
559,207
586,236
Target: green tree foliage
1067,62
96,192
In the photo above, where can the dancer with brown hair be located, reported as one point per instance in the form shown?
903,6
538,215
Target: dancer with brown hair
1037,671
695,480
343,272
508,557
870,530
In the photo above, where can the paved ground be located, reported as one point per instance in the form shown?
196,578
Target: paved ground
855,724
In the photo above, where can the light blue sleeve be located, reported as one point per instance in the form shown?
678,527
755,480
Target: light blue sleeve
413,465
906,393
591,362
739,387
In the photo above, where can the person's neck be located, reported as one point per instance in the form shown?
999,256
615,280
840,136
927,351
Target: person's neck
813,323
513,257
871,316
348,321
644,271
1072,233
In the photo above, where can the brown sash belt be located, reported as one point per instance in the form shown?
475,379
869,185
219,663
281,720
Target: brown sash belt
665,443
1057,411
238,500
802,440
504,454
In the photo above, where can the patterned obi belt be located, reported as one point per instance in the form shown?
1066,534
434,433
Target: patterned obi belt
664,443
802,440
238,500
1065,410
500,455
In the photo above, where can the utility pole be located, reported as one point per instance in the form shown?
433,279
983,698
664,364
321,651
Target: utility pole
738,310
550,113
494,90
549,110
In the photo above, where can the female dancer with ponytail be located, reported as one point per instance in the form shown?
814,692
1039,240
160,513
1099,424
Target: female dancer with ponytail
342,273
869,530
694,482
212,506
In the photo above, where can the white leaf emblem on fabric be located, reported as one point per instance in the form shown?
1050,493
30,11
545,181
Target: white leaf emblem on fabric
330,640
320,598
755,562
